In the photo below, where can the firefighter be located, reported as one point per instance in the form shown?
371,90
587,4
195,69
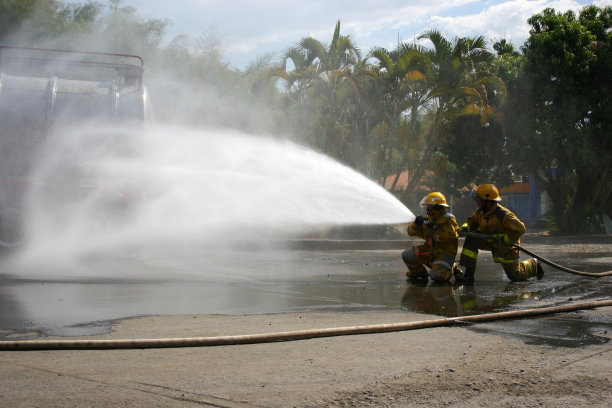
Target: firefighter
505,229
439,229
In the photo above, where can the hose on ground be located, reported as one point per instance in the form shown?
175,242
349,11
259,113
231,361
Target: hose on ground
286,336
541,258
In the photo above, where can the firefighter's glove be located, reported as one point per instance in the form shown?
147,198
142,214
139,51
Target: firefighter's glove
463,230
419,220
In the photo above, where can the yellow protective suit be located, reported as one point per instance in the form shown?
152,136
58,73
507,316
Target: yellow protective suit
503,224
439,250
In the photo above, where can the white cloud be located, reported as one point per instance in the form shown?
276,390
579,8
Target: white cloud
250,28
273,25
505,20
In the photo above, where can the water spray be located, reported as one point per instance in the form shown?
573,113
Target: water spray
100,189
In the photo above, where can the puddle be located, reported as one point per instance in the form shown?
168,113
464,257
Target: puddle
82,299
575,330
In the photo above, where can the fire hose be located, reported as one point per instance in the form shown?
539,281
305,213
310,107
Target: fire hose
100,344
539,257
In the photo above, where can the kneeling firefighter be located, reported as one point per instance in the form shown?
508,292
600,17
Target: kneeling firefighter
505,229
439,230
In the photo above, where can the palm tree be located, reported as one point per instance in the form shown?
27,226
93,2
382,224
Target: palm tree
428,89
326,70
403,75
463,86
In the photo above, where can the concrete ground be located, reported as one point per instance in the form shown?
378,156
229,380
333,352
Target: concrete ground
475,365
450,366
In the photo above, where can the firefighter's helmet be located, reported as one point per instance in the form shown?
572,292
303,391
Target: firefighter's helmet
434,199
487,192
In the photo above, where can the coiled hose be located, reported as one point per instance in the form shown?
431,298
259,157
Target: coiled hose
541,258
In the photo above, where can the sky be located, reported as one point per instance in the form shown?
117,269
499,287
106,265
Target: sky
248,29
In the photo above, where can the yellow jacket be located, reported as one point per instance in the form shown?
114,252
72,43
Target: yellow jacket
498,221
440,234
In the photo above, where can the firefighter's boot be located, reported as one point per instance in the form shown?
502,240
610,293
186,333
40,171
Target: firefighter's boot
417,273
539,270
464,277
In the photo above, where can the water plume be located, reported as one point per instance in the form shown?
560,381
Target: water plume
98,188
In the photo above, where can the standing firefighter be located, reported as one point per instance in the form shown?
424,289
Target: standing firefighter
439,230
504,228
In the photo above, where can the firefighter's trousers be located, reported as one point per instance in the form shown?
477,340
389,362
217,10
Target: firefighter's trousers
416,258
507,256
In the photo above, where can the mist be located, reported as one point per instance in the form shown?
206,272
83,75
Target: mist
100,187
187,160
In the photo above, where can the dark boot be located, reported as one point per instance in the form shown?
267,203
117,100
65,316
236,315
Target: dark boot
458,274
417,273
468,275
539,270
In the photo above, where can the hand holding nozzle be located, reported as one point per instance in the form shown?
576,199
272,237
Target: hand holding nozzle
419,220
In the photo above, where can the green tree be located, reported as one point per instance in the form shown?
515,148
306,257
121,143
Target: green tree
404,76
431,89
39,22
318,79
503,47
480,152
125,31
562,113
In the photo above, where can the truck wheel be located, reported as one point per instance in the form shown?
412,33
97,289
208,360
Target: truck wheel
11,227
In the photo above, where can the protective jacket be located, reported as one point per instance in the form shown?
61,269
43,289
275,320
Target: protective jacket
440,234
501,223
498,221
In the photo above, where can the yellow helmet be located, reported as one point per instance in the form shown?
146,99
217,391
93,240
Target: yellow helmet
434,199
488,192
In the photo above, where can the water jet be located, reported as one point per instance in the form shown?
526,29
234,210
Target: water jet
139,186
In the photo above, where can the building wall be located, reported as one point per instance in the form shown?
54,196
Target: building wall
527,200
520,204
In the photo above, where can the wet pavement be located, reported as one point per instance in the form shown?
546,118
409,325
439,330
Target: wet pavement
82,296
